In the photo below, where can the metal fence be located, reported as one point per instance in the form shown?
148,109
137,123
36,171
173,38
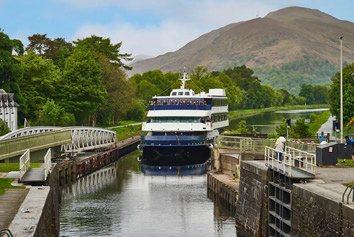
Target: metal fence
257,145
244,144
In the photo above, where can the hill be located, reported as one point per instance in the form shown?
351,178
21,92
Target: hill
286,48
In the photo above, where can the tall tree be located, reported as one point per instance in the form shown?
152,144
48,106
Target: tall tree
307,92
348,92
120,92
39,81
320,94
105,47
81,91
11,71
57,50
38,43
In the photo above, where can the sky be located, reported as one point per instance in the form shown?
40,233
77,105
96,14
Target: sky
145,27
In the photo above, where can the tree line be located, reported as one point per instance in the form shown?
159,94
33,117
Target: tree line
84,82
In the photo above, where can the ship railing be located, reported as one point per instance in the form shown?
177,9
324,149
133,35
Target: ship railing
180,107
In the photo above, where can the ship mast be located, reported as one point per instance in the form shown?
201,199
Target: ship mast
184,78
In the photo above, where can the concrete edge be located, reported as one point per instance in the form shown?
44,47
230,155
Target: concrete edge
27,218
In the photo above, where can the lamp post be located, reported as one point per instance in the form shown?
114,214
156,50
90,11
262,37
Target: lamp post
341,91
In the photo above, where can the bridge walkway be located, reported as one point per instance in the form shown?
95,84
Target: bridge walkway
33,175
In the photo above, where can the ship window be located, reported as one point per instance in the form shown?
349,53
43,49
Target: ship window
174,93
186,93
180,93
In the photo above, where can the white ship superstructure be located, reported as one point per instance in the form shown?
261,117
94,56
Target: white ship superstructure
183,124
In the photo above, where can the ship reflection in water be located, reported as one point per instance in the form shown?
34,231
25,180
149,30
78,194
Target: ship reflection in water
125,202
173,170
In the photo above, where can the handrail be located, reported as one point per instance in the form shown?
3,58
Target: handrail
6,232
291,158
271,156
351,189
25,163
47,163
303,157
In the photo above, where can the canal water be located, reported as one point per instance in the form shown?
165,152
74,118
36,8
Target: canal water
265,123
122,201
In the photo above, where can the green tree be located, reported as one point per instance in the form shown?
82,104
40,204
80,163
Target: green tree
307,92
242,129
120,92
57,50
81,91
4,129
137,112
348,92
51,113
39,81
320,94
300,129
105,47
11,71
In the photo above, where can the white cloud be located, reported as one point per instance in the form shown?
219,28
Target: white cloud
149,40
182,21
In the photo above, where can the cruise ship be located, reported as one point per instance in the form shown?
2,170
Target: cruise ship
181,128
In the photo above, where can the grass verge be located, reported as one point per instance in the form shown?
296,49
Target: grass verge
5,183
243,113
8,167
317,120
348,162
127,132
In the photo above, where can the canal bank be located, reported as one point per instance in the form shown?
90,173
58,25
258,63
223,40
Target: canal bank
38,212
269,204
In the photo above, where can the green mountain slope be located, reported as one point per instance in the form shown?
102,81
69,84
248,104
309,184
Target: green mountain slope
286,48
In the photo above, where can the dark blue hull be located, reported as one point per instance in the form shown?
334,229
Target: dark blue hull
175,155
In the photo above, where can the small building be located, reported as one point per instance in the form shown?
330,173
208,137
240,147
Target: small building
8,109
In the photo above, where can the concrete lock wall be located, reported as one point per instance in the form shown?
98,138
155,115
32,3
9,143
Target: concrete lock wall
316,215
251,210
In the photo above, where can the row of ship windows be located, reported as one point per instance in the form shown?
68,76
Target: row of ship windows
176,120
214,118
219,117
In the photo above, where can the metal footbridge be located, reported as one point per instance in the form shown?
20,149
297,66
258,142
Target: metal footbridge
71,140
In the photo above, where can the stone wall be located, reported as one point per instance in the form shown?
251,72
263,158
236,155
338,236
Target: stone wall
252,209
49,223
316,215
228,163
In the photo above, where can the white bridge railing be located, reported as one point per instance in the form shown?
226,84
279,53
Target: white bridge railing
291,158
82,138
89,138
47,163
24,163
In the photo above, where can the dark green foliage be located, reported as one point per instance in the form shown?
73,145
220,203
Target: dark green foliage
299,129
103,46
4,129
11,71
242,129
348,94
137,112
80,90
38,83
292,75
54,115
307,92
